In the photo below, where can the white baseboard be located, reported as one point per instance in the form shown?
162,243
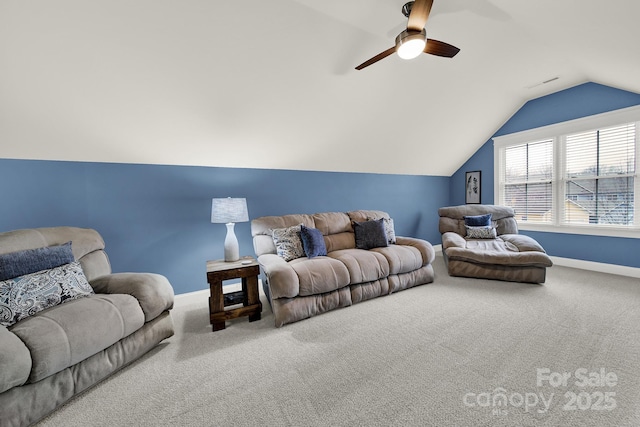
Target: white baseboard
181,299
600,267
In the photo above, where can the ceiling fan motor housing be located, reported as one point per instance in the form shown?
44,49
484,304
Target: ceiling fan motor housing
411,43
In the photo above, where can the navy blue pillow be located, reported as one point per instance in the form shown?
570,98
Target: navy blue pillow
16,264
312,242
370,234
478,220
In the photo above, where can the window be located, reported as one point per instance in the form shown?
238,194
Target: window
599,176
528,179
577,176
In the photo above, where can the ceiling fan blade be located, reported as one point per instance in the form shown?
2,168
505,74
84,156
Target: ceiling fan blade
376,58
419,14
436,47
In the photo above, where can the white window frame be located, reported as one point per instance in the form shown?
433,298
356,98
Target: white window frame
557,132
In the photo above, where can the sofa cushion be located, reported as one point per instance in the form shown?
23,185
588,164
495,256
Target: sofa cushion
452,218
363,265
332,222
312,242
288,242
69,333
319,275
370,234
336,229
362,215
497,252
19,263
26,295
402,259
15,360
88,245
262,230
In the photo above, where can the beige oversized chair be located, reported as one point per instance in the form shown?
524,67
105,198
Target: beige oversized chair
54,354
508,256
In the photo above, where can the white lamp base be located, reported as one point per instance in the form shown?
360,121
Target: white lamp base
231,247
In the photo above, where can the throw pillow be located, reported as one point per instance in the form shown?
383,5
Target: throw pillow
27,295
481,232
15,264
478,220
389,229
370,234
312,242
288,242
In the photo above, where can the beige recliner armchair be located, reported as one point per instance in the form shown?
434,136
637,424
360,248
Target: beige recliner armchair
493,250
67,322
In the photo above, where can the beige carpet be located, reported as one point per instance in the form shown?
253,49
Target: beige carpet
458,352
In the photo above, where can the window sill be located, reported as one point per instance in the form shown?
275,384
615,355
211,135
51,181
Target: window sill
633,233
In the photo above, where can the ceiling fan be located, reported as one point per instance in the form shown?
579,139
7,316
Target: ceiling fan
413,41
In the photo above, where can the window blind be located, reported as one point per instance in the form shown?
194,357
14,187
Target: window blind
528,178
600,176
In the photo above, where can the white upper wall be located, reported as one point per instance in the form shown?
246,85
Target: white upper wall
271,84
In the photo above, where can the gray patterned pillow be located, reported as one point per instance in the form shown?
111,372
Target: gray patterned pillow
288,242
481,232
27,295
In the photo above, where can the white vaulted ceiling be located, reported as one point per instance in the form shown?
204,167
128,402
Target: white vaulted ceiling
271,84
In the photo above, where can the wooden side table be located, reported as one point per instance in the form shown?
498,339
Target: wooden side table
247,269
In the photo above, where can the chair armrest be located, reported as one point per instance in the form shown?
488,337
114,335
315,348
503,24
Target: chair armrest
522,242
283,280
425,248
153,291
452,240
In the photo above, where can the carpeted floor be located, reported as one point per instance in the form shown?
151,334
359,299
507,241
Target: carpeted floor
458,352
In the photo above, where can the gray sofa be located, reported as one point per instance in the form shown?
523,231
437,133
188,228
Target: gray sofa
303,287
509,256
54,354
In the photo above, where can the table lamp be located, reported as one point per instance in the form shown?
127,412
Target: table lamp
229,211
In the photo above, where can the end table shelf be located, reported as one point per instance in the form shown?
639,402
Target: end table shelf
219,271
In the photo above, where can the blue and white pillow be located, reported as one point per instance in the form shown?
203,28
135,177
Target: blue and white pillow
288,242
27,295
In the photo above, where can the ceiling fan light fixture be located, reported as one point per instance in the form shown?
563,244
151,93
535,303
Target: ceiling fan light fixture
410,44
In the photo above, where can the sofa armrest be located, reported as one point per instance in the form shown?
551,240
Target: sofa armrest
15,359
283,280
425,248
153,291
523,243
452,240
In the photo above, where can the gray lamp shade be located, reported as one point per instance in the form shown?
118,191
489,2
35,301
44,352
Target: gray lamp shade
224,211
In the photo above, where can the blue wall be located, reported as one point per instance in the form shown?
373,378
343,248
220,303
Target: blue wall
580,101
157,218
